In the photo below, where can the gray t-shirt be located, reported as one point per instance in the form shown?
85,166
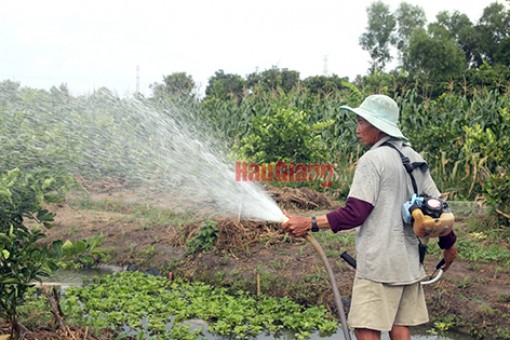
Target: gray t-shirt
386,251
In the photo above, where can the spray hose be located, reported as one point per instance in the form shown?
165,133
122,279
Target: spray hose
332,280
336,292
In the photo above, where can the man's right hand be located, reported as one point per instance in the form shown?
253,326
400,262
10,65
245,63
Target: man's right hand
297,225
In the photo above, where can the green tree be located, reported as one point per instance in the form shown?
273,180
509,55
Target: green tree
409,18
487,76
225,86
462,31
434,55
273,79
378,36
61,92
175,84
324,84
494,41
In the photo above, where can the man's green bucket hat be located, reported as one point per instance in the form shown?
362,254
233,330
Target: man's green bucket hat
380,111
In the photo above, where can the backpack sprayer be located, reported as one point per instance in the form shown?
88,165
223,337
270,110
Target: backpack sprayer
428,216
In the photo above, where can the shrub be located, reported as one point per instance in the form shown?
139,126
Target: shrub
22,260
284,136
204,239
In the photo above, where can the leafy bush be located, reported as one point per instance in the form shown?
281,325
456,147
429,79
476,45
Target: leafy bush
204,238
284,136
82,254
490,140
22,260
497,192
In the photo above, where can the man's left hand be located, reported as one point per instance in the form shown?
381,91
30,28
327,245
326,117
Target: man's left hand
449,256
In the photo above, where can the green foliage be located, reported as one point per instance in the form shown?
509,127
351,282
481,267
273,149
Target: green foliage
492,77
378,37
461,30
445,324
497,191
35,312
483,241
490,139
324,85
273,79
148,304
82,254
463,132
409,18
203,240
434,55
176,84
464,140
448,47
494,36
483,251
225,86
284,136
22,260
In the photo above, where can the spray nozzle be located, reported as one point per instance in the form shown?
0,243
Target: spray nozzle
284,219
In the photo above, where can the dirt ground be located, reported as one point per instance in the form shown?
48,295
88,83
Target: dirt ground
475,296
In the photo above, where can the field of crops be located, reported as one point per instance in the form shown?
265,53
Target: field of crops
464,138
53,142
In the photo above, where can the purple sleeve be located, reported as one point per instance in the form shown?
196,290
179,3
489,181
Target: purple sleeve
352,215
446,242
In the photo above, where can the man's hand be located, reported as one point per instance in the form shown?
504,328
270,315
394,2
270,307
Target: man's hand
297,225
449,256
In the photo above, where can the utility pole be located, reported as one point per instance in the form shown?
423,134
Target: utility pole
137,79
325,70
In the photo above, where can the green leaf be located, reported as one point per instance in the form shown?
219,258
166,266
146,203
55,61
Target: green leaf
6,194
9,280
4,238
53,267
58,246
47,183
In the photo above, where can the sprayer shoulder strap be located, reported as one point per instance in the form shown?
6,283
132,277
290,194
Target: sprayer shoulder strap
422,248
407,164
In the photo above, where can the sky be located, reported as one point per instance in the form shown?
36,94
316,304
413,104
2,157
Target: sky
128,45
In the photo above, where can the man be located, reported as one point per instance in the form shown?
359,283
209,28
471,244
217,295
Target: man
387,294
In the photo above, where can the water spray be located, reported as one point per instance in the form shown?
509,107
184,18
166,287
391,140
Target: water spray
142,143
332,280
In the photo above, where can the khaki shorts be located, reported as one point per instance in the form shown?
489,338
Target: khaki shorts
379,306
